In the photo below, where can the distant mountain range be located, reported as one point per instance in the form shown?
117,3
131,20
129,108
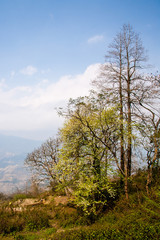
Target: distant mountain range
13,151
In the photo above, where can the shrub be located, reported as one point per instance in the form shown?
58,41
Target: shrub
20,196
93,195
10,223
36,219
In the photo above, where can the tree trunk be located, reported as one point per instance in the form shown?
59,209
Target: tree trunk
129,130
121,108
129,150
149,175
121,126
126,181
150,166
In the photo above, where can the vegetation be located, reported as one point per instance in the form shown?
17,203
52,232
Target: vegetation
58,219
93,160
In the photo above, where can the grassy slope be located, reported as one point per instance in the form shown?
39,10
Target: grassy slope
137,219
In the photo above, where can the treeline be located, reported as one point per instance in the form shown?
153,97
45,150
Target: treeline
105,133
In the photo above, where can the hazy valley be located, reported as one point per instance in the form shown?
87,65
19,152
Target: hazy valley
13,150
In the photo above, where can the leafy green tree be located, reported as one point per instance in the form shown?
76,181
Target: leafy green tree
89,146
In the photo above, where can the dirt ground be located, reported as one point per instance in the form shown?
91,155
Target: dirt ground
21,204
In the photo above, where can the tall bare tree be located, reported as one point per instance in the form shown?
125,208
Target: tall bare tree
119,80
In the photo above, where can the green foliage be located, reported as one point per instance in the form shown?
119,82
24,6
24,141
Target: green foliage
42,234
72,220
10,222
36,219
93,194
127,220
140,231
88,234
19,237
24,237
20,196
67,216
84,159
49,231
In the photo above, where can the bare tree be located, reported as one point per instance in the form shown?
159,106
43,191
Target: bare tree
42,160
149,119
119,80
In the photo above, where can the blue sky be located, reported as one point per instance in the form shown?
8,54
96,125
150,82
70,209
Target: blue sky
51,49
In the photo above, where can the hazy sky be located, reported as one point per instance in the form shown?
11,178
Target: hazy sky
51,49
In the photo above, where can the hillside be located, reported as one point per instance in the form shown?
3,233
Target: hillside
52,216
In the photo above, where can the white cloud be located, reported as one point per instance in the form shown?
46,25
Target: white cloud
30,110
29,70
95,39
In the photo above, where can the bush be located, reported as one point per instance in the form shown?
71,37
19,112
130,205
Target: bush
74,220
14,222
36,219
93,195
10,223
20,196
